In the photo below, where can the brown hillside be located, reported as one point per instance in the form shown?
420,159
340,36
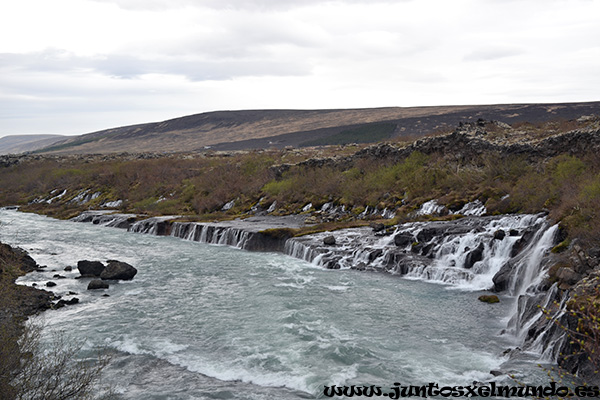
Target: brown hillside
279,128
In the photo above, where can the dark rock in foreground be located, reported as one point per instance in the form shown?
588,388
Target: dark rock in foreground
18,301
90,268
61,303
117,270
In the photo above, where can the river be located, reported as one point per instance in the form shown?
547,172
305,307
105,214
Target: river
202,321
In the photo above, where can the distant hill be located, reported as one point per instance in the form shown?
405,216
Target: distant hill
16,144
248,129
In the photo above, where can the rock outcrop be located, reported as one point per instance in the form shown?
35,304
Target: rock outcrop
579,276
117,270
474,256
114,270
17,302
90,268
467,141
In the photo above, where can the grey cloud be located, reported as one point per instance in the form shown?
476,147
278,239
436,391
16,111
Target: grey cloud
246,38
48,60
199,70
129,67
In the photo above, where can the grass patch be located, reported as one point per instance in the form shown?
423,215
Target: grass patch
369,133
562,246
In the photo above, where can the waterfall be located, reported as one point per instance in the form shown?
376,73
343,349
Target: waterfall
106,218
528,323
466,253
547,337
152,226
211,233
529,271
301,251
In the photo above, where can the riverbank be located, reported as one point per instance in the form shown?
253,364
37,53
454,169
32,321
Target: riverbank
17,303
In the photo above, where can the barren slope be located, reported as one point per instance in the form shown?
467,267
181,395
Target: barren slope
267,128
15,144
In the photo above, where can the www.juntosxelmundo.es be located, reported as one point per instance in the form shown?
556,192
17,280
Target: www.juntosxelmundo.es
432,390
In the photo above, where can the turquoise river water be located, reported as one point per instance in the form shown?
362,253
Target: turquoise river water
212,322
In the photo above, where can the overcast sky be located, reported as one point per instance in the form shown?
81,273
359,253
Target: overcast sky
76,66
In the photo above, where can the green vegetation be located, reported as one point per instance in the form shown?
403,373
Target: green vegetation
567,186
369,133
562,246
489,298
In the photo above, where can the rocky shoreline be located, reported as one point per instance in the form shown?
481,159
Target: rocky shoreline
17,303
20,301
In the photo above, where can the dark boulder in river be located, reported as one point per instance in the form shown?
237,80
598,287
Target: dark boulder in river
503,277
329,240
90,268
474,256
489,298
61,303
403,239
97,284
499,235
117,270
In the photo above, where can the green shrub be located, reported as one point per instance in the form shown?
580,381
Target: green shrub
277,188
567,168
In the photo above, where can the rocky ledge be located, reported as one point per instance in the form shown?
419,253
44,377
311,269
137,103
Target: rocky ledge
19,301
468,141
